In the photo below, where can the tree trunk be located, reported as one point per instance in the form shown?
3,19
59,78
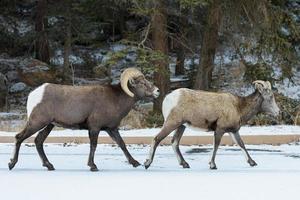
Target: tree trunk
179,68
68,41
41,44
160,43
208,48
181,35
3,93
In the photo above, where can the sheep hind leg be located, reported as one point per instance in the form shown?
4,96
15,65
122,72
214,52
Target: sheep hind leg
115,135
93,135
39,141
217,140
175,144
30,129
165,131
238,140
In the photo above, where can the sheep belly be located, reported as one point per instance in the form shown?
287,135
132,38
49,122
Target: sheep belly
195,128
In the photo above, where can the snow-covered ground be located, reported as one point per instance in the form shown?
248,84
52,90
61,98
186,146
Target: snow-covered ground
277,175
245,130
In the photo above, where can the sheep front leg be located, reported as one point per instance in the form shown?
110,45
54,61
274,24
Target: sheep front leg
238,140
93,135
217,140
115,135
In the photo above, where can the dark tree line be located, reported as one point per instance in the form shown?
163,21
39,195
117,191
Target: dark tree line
177,27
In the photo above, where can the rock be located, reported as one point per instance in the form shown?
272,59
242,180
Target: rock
91,81
8,64
94,32
11,116
135,119
12,76
18,87
3,92
34,72
12,121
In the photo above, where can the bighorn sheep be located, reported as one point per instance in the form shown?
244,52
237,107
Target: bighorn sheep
218,112
93,108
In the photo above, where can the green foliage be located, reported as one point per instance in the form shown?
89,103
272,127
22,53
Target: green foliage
258,71
154,119
268,30
146,58
143,7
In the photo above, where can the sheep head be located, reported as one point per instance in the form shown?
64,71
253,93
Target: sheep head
268,105
139,86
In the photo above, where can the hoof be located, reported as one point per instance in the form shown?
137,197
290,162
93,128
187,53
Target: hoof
147,164
94,169
49,166
212,166
252,163
185,165
11,164
135,163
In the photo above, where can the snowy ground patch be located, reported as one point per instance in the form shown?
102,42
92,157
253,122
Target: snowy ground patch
276,176
245,130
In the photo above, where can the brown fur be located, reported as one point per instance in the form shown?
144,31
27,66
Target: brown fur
219,112
83,107
202,109
93,108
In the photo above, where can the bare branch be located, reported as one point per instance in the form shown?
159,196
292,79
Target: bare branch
142,43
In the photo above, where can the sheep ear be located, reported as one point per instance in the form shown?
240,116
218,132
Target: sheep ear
132,82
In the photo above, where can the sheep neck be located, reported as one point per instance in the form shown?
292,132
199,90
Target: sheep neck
249,106
126,103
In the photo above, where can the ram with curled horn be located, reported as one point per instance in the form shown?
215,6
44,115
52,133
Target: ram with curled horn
94,108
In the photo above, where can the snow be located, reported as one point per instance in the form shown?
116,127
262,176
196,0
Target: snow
52,20
58,59
117,47
189,62
289,89
24,27
276,176
245,130
179,78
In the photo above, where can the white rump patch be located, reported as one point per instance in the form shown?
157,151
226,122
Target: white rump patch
170,101
35,97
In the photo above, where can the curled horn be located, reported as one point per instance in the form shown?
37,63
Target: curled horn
265,84
269,85
126,76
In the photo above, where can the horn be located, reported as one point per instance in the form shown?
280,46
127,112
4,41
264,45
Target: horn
126,76
269,85
263,83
